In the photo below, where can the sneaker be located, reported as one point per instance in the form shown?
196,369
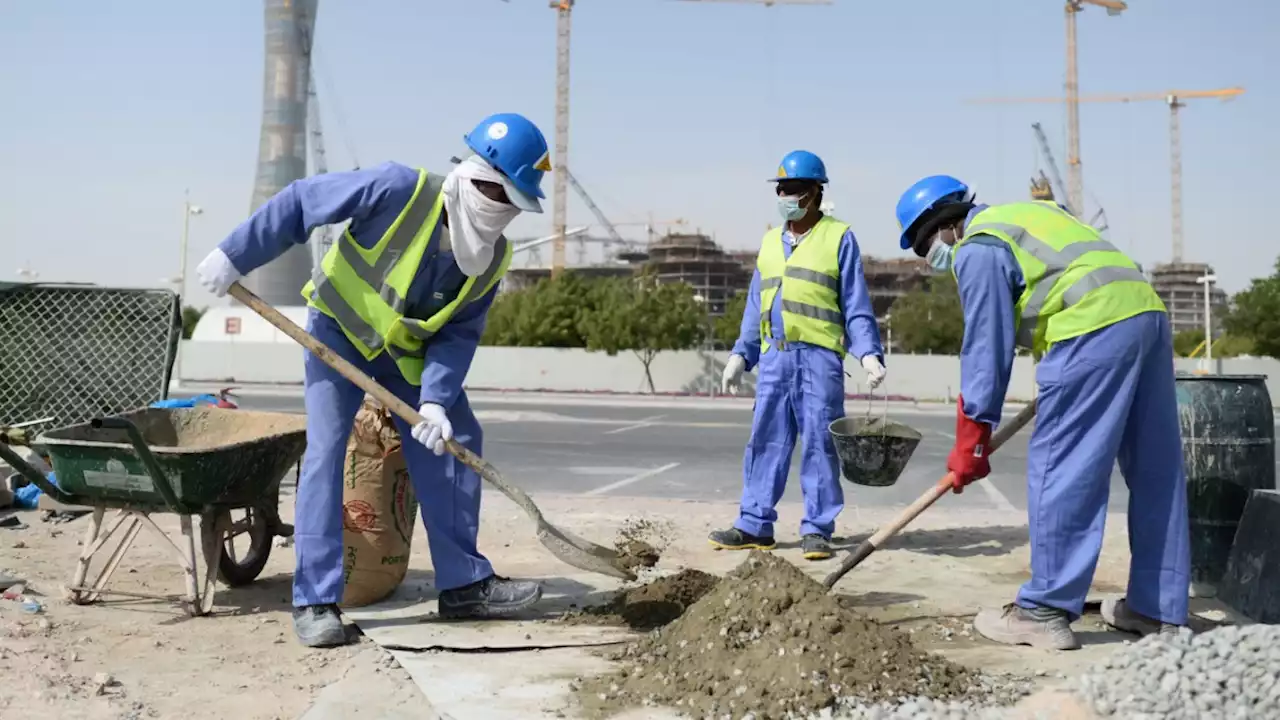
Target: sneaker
492,597
1117,614
1043,627
735,539
319,626
815,547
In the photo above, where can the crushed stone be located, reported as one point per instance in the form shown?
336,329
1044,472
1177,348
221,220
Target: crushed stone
640,543
769,643
1230,672
651,605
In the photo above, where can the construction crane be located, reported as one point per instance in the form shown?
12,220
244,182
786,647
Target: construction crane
559,212
1075,175
595,210
1050,187
1175,100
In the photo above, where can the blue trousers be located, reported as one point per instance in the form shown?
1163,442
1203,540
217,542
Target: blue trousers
1108,396
800,390
447,491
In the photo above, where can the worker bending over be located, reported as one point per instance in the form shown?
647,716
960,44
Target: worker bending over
402,295
808,300
1033,276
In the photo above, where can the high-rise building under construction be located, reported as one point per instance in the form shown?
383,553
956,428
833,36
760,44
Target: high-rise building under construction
282,149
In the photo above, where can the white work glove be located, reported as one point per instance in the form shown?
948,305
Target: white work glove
435,428
875,370
733,368
216,273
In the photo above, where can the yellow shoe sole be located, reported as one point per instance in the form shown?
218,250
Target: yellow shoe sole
752,546
818,555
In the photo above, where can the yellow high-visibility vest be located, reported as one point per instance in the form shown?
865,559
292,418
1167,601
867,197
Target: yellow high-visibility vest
365,290
1076,282
809,282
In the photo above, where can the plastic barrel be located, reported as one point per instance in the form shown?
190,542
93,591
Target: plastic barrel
1228,450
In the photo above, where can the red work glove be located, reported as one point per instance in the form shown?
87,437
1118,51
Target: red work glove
969,458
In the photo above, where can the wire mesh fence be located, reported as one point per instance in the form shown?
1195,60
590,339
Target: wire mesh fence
73,353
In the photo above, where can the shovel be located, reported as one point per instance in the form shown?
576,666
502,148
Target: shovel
930,496
564,545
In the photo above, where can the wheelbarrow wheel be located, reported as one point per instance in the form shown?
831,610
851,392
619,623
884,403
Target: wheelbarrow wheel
238,566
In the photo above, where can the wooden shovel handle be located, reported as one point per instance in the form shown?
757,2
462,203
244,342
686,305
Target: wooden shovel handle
922,503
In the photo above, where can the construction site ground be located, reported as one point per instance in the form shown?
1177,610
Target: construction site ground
128,658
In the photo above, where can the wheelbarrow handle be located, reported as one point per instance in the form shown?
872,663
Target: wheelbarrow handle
33,476
922,503
145,455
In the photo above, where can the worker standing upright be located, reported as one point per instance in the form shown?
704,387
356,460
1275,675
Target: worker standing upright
1032,275
807,305
403,296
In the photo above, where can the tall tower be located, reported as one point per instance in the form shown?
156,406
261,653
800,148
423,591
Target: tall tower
282,149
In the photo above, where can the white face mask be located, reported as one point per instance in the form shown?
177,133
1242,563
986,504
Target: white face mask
475,220
939,255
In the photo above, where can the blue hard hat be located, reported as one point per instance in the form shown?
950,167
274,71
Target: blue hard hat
516,148
923,196
801,165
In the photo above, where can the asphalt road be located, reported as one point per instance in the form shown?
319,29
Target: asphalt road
690,452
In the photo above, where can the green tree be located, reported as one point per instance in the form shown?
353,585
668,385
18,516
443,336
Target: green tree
548,314
643,316
1186,342
929,320
1256,314
726,326
190,317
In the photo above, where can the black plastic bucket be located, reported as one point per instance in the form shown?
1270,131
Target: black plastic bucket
873,451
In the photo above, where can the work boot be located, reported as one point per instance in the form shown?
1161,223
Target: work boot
815,547
319,626
492,597
735,539
1043,627
1117,614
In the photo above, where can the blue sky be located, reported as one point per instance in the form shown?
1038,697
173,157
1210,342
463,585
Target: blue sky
679,109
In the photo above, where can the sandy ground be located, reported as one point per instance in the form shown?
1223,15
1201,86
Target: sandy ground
243,661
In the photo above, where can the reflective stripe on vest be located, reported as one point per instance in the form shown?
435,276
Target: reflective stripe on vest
1065,271
809,283
377,279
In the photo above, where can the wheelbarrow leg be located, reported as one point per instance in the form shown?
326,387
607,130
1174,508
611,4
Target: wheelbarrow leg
189,570
212,534
86,554
117,554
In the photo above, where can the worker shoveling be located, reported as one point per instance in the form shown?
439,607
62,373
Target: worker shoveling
769,642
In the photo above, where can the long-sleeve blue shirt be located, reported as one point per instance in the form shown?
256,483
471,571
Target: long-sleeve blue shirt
990,282
371,199
862,334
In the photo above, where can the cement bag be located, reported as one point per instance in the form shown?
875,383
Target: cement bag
378,509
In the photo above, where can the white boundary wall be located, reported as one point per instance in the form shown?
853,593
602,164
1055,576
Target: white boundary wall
918,377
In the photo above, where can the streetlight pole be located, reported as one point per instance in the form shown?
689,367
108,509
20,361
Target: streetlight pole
1207,280
187,211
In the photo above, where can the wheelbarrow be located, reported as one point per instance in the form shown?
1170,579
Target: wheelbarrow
203,461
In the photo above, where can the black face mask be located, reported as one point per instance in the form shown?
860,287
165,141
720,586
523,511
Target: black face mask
941,217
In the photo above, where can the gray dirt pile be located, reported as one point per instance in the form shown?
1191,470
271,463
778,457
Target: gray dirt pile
769,642
651,605
1231,672
640,543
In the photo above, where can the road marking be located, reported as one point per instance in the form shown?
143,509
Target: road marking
643,423
988,486
633,479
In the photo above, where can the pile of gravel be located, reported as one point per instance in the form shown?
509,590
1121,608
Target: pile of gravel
1230,672
768,643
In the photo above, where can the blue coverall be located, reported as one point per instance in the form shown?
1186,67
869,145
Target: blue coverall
447,491
1104,396
800,389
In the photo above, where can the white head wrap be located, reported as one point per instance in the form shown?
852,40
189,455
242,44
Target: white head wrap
475,220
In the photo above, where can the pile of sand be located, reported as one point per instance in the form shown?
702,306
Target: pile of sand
768,640
651,605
